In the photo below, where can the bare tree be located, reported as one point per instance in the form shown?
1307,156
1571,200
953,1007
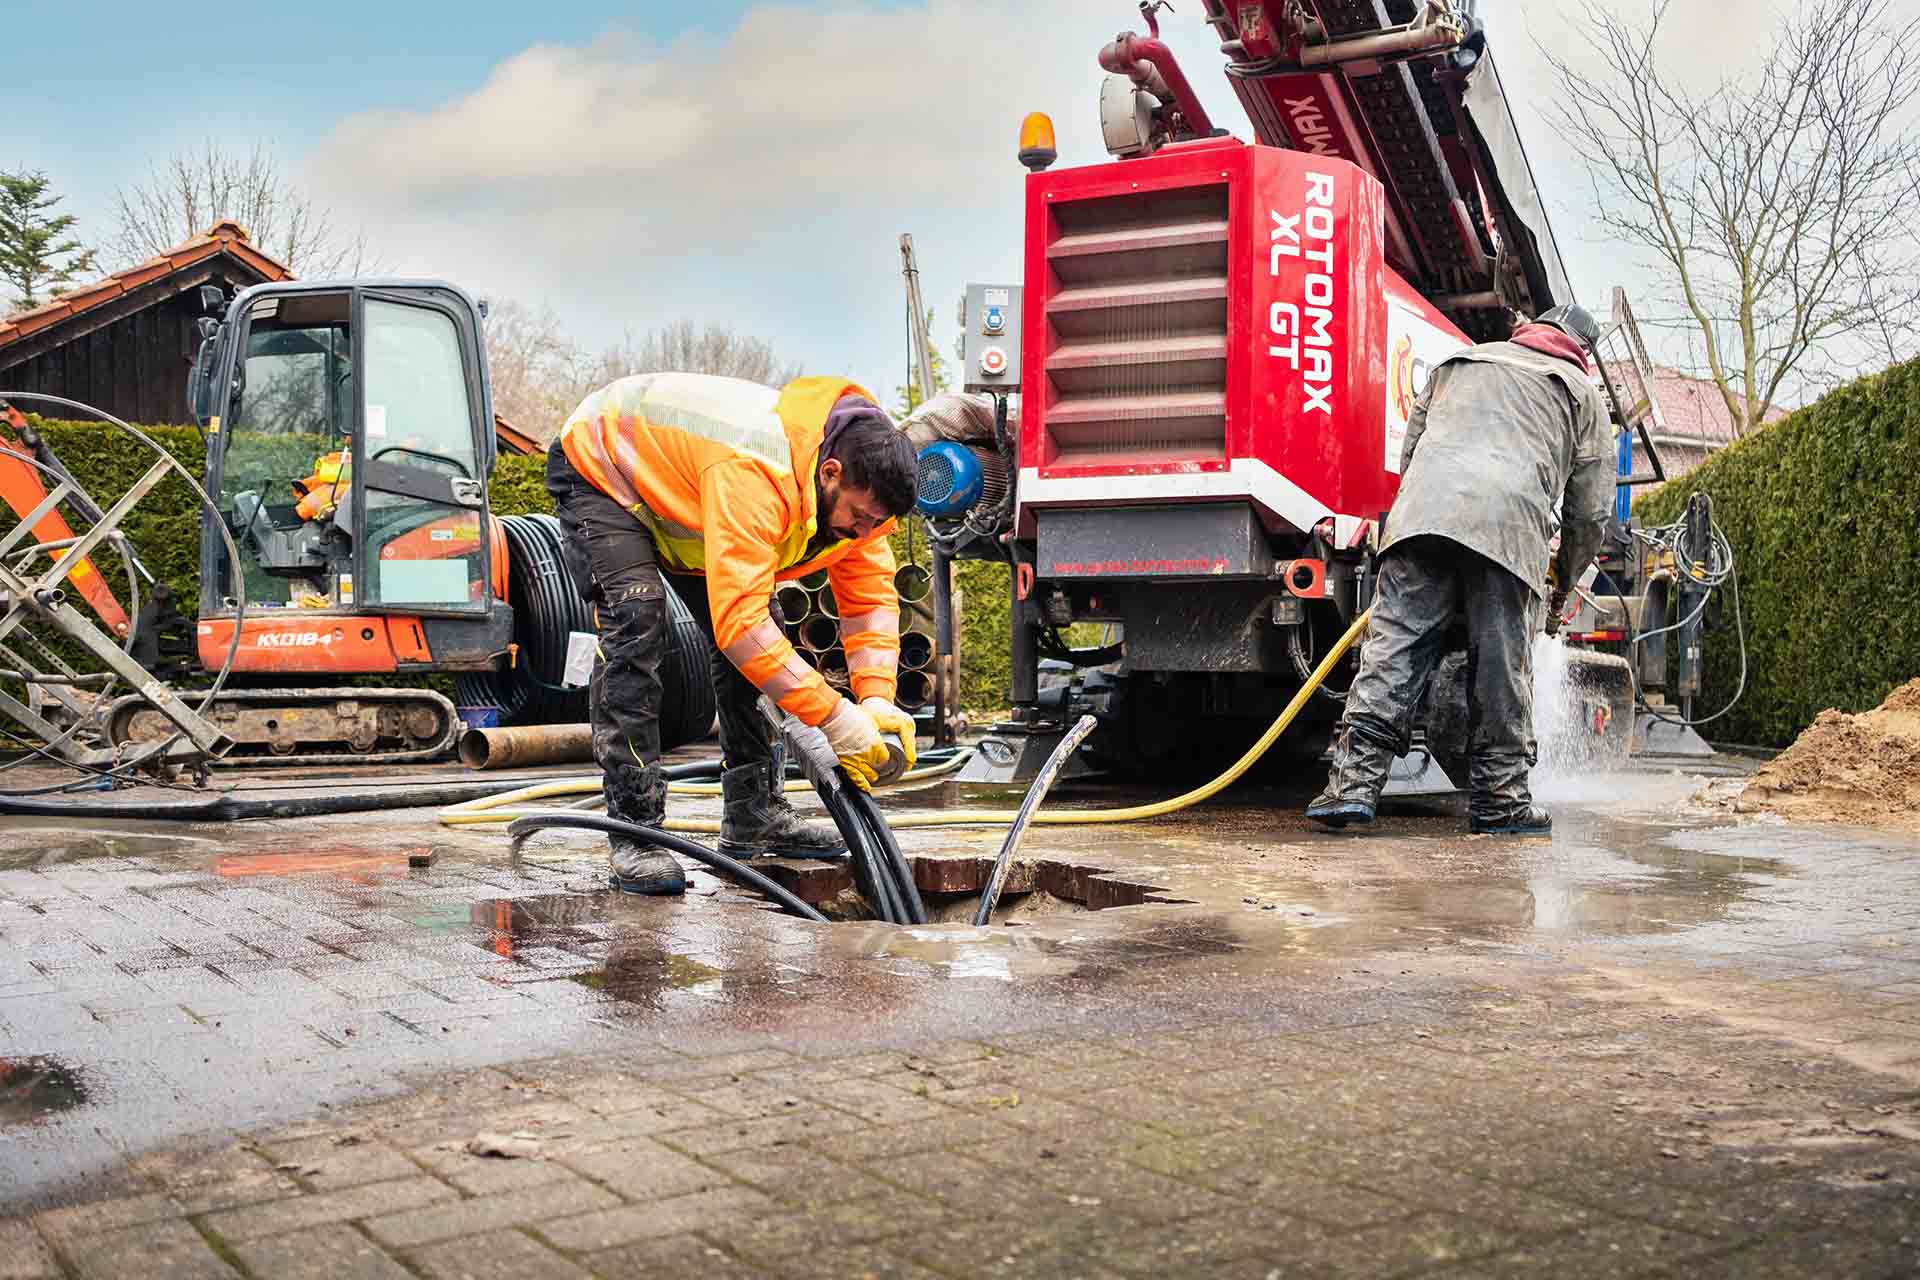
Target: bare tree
537,371
688,348
192,191
540,374
1782,203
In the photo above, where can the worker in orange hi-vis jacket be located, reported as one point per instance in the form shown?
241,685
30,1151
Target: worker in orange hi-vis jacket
662,479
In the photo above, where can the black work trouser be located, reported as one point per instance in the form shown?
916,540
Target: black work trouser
617,569
1423,583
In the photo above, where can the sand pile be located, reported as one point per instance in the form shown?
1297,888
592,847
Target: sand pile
1847,768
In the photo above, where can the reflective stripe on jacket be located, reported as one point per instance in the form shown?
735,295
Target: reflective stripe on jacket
721,472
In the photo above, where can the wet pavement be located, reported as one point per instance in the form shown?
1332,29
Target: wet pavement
1659,1040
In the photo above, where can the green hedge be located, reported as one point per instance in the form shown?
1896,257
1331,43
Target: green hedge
1823,511
165,532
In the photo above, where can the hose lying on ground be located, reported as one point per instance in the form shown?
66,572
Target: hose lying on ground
498,808
720,862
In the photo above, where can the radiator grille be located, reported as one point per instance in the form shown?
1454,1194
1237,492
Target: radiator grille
1137,366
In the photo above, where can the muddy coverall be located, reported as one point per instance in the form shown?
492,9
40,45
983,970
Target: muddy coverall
710,481
1502,438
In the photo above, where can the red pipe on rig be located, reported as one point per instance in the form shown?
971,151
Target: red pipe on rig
1148,62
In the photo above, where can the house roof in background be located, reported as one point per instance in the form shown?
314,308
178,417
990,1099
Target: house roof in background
224,237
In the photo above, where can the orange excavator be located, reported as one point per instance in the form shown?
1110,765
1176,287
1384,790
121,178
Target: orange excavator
350,437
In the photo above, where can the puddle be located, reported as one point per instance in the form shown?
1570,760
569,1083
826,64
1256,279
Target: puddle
31,1088
360,865
37,848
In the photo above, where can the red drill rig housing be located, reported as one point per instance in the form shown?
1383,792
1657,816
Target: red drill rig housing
1215,323
1221,344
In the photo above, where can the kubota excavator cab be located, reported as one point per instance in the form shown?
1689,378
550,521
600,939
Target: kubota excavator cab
349,439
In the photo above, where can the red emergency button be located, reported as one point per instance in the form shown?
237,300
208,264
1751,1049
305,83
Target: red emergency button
993,362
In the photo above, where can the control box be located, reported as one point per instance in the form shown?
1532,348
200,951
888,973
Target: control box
990,342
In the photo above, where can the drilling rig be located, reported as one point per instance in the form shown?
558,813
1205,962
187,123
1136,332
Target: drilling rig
1215,349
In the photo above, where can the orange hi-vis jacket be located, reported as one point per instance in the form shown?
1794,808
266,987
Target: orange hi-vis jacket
721,472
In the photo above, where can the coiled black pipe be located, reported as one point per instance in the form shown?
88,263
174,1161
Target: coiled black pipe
520,828
547,608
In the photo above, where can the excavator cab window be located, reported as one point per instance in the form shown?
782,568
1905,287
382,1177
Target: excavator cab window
352,472
421,452
284,449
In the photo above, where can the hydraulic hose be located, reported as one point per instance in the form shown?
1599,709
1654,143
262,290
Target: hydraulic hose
478,813
720,862
893,862
1042,783
876,879
230,807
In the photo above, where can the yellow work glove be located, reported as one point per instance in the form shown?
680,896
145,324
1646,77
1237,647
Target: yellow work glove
855,738
892,719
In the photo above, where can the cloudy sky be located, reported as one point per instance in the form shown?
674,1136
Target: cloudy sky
633,164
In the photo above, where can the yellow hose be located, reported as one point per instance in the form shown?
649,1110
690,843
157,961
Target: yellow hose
494,809
801,784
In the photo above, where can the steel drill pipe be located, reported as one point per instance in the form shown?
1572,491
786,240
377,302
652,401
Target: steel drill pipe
912,583
819,633
794,601
916,650
832,665
823,601
913,690
531,744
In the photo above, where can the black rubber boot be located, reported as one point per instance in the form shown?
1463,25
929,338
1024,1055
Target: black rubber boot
758,821
639,795
1527,821
1354,783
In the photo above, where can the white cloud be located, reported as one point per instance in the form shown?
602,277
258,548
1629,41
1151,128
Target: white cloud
762,179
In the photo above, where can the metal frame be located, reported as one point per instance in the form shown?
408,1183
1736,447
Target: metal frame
42,599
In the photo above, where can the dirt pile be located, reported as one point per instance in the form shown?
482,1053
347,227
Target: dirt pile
1847,768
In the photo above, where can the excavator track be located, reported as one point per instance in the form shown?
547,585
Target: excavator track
308,726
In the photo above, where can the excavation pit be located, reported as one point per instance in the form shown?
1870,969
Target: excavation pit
951,886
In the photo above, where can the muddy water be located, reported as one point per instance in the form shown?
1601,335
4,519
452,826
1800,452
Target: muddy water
199,978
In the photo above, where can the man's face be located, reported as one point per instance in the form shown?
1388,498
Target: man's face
850,513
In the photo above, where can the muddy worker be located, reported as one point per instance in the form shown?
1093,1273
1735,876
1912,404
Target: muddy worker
1504,435
716,488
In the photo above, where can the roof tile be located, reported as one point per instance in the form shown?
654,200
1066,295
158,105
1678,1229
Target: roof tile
225,236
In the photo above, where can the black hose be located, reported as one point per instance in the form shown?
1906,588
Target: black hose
227,807
1042,783
868,864
720,862
894,861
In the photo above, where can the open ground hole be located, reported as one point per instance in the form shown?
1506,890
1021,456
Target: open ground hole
951,887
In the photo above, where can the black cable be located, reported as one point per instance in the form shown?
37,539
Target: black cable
894,861
869,867
521,828
232,807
